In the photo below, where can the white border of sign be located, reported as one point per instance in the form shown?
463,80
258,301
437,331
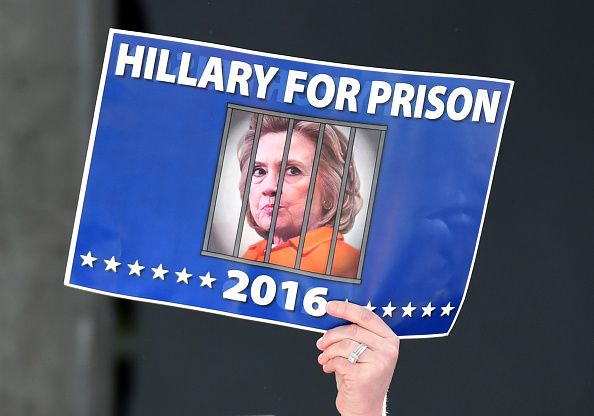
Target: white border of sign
83,186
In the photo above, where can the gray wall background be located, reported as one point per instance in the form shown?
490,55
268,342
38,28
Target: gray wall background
56,345
523,344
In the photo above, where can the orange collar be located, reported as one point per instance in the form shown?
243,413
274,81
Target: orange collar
313,239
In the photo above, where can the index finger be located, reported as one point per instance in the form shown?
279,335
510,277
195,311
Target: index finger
360,316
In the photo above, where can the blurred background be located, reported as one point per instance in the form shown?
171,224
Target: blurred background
523,343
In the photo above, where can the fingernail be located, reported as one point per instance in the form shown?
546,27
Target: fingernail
318,342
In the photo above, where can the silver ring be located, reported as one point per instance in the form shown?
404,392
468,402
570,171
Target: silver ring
354,356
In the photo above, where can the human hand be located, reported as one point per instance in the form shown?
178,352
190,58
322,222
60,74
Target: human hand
362,386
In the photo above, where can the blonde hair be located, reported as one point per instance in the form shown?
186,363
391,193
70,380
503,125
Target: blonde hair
332,160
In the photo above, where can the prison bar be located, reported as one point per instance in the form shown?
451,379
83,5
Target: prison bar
310,191
279,190
248,183
343,183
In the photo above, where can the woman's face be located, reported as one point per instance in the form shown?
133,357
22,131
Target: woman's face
263,189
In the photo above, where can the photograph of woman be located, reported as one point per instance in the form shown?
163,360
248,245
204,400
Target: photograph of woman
263,192
282,198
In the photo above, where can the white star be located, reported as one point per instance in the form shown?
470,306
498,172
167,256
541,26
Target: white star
88,259
111,264
388,310
369,307
135,269
427,310
160,272
207,280
408,310
445,310
183,276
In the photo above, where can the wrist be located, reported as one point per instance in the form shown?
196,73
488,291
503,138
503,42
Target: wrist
381,410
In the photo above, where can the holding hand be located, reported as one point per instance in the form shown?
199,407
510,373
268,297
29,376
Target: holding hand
362,381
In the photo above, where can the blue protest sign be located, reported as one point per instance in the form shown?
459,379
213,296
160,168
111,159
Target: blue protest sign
262,186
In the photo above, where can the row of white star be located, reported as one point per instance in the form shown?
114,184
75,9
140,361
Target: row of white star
183,277
407,311
136,269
